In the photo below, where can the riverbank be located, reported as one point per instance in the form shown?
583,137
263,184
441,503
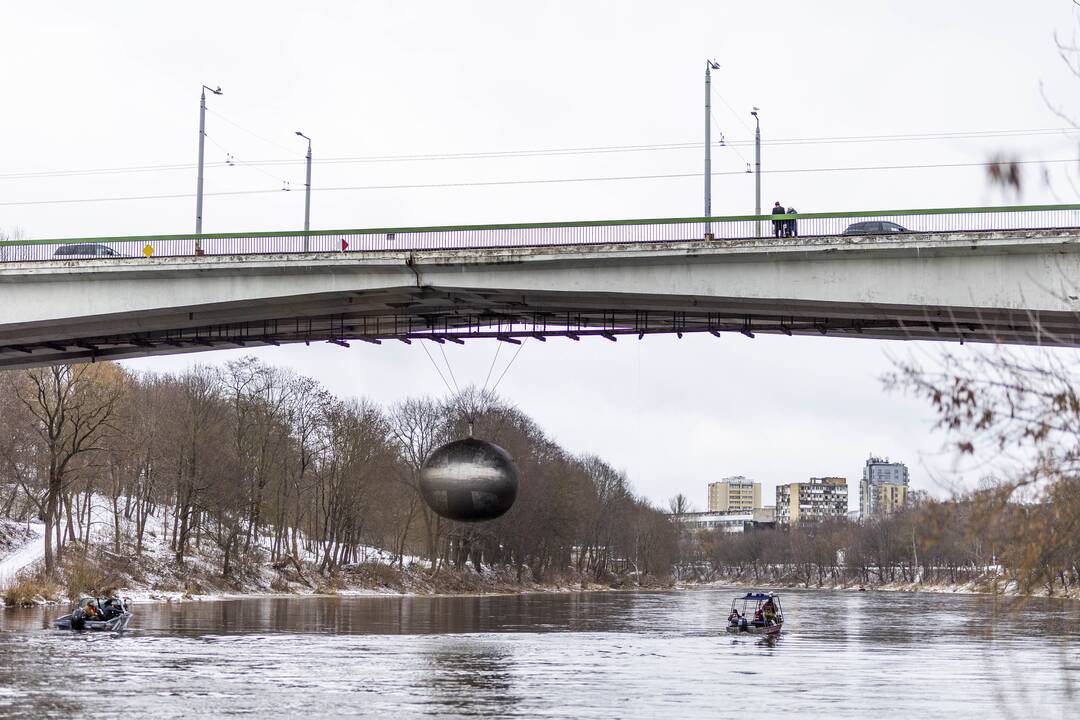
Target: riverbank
392,582
989,584
155,575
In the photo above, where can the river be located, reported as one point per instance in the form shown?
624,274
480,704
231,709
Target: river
588,655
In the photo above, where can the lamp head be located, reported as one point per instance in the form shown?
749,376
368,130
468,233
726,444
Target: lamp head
713,64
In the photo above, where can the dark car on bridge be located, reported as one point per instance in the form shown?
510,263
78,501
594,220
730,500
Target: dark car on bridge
875,227
85,251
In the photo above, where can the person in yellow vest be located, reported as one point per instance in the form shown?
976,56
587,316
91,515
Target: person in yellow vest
768,611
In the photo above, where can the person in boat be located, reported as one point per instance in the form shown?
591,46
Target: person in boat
734,617
112,607
91,610
768,612
759,618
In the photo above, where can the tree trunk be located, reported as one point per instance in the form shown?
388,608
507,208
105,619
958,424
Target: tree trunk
50,522
116,524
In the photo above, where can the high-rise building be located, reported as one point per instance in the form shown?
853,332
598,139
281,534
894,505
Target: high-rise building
735,494
883,488
818,499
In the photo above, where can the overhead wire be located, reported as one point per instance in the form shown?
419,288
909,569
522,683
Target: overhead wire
252,133
733,146
734,112
233,159
527,181
724,143
554,152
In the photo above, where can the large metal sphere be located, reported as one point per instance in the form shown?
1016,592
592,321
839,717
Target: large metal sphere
469,480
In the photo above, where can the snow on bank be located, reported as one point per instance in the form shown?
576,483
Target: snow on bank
154,575
29,553
999,586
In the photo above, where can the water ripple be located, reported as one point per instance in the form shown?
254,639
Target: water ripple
625,655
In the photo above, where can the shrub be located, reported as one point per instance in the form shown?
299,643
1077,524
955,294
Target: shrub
84,576
30,590
329,586
374,573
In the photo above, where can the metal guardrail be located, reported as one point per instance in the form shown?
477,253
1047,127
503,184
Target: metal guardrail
595,232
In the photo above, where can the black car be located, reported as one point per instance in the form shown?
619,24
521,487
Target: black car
875,227
85,251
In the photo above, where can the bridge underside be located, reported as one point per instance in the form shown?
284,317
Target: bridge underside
458,315
1000,287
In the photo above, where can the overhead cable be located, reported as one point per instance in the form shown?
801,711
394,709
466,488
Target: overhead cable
532,181
555,152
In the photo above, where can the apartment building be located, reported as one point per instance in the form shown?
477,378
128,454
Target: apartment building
735,494
817,499
883,488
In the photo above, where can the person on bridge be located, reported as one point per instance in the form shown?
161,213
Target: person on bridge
778,225
791,225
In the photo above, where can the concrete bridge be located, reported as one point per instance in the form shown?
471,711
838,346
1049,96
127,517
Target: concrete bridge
1001,275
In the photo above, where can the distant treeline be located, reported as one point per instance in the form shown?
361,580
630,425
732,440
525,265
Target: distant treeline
248,455
976,538
1022,526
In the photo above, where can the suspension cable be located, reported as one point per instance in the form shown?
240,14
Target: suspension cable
436,366
507,368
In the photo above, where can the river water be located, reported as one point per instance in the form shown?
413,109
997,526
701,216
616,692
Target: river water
588,655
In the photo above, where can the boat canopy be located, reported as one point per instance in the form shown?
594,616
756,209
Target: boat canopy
758,596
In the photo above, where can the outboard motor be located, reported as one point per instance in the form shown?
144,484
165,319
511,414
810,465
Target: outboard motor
78,619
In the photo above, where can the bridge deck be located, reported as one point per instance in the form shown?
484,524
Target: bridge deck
1012,286
592,232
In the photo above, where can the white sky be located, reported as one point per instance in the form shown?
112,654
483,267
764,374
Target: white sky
100,86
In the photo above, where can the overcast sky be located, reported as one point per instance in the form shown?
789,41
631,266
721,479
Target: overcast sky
115,87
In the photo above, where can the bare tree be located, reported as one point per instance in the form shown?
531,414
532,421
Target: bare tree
72,408
248,452
418,426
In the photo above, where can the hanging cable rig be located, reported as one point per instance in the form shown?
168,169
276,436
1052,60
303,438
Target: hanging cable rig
469,480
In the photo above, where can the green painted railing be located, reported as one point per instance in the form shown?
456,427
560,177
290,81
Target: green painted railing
587,232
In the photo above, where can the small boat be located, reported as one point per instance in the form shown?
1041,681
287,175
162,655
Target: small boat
756,614
101,615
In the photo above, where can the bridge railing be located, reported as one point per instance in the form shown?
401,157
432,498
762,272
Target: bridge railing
595,232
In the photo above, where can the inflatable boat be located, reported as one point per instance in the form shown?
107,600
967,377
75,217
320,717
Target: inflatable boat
101,615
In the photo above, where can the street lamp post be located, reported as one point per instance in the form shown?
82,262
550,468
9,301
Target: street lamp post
710,65
202,143
757,167
307,191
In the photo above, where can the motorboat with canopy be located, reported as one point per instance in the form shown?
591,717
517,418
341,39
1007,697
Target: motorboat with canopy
756,613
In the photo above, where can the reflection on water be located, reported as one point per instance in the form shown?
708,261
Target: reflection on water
472,677
603,655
